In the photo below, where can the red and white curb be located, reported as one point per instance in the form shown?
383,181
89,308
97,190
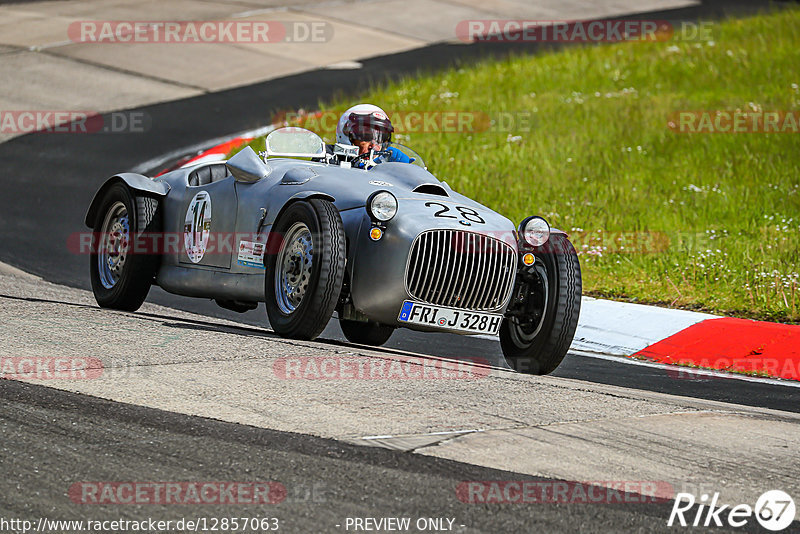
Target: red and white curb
702,344
695,341
217,153
737,345
623,329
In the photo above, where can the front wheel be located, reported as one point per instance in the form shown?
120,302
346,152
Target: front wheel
538,329
121,278
305,269
366,333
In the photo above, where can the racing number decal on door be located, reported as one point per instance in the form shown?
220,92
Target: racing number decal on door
197,226
468,213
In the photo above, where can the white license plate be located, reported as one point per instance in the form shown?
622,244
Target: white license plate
449,319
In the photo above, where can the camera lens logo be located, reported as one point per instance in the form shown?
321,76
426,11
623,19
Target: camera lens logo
775,510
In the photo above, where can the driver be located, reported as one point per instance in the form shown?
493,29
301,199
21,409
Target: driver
369,128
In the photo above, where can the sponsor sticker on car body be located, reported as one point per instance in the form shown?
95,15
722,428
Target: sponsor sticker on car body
251,254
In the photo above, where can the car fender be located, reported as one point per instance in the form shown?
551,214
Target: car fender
135,182
305,195
300,196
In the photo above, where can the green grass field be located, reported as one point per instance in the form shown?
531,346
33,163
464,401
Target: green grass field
707,221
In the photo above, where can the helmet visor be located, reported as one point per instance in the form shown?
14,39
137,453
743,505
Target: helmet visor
369,128
367,133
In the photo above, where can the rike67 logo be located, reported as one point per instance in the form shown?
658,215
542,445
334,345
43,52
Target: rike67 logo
774,510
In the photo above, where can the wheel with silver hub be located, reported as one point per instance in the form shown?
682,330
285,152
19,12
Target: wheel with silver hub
542,317
114,243
305,268
293,268
121,278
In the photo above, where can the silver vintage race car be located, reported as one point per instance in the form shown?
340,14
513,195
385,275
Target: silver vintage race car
310,229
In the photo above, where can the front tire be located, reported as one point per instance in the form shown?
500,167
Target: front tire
121,278
305,269
366,333
536,341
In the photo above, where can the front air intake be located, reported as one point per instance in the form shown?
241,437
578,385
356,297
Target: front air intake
431,189
458,269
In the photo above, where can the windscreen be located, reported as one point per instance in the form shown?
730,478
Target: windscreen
295,142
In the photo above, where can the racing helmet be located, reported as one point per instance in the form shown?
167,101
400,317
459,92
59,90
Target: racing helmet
364,122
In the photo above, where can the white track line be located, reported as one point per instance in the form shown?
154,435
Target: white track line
443,433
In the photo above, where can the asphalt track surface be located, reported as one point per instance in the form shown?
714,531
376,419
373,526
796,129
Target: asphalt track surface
48,181
53,439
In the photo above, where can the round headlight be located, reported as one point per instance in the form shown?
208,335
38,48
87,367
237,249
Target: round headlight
382,206
535,231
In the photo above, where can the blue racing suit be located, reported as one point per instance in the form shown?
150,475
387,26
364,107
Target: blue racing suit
396,155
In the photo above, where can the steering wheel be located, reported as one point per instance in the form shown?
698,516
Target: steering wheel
365,161
375,154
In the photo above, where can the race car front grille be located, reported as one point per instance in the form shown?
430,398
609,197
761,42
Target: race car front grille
460,269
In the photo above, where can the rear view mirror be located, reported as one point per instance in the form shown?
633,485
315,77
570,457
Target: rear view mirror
246,166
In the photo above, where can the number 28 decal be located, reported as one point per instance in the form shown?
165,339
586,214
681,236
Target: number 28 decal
468,213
